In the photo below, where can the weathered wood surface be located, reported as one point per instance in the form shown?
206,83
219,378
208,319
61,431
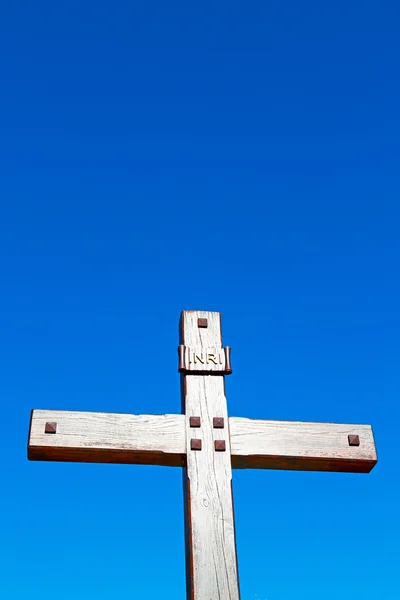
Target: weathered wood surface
108,438
210,531
170,440
160,440
304,446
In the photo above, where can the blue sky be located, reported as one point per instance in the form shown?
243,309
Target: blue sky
240,157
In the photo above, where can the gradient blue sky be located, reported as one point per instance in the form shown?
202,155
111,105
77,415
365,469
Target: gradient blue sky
232,156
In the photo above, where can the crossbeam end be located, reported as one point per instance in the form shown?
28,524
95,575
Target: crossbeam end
293,445
74,436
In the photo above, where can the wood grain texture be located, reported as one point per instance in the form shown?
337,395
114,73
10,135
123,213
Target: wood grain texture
304,446
210,532
108,438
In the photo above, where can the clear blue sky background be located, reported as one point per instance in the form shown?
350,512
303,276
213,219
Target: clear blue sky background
232,156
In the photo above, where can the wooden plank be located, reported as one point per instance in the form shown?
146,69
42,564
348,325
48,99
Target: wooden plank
108,438
210,531
301,446
160,439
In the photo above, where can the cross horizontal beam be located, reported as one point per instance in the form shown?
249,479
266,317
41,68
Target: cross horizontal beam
161,440
107,438
301,446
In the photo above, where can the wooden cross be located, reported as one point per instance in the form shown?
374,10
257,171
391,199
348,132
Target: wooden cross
207,444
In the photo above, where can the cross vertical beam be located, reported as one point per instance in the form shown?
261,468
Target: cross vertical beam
211,563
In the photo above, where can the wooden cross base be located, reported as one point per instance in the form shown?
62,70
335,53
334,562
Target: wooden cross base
207,444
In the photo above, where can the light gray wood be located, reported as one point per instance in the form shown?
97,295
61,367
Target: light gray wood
301,446
160,439
210,530
212,572
107,437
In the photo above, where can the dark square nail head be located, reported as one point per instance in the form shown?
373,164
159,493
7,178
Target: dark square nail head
50,428
218,422
195,444
354,440
194,421
202,323
220,445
